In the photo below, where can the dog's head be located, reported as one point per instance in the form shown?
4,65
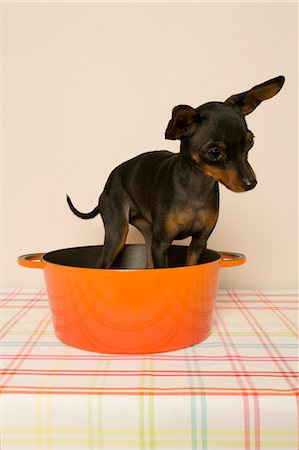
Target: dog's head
215,136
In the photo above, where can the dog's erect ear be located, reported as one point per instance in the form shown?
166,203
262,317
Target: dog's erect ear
248,101
183,116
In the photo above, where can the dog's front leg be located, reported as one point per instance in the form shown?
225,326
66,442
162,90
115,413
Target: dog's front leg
196,250
160,249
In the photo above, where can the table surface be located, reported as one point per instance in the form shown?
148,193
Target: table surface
236,390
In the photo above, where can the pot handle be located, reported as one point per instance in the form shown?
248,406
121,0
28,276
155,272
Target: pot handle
32,260
230,259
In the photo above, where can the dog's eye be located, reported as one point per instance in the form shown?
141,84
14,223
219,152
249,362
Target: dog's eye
215,154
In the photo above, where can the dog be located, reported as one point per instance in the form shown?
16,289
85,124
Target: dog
169,196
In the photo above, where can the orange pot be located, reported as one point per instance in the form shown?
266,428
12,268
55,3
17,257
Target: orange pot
127,309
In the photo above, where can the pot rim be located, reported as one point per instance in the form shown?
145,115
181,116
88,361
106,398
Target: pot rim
39,260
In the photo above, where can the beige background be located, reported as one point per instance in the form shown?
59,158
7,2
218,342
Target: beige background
86,86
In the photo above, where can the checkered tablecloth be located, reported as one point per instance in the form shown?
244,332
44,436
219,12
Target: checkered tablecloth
236,390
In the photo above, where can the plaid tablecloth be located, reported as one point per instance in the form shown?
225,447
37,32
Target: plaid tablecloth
236,390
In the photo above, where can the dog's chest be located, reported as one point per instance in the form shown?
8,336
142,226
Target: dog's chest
187,222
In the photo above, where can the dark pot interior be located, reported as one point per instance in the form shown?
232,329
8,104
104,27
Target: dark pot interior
132,257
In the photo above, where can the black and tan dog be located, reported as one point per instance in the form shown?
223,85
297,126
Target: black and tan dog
171,196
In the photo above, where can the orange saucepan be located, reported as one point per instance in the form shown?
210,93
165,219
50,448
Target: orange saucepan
128,308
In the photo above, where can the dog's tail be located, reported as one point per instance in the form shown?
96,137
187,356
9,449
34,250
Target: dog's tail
77,213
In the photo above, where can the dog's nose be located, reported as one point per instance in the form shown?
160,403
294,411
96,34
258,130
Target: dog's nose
249,184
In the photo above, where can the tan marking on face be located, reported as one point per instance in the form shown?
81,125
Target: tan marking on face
176,221
196,158
222,145
228,177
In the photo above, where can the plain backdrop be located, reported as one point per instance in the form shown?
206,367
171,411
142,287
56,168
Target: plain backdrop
86,86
